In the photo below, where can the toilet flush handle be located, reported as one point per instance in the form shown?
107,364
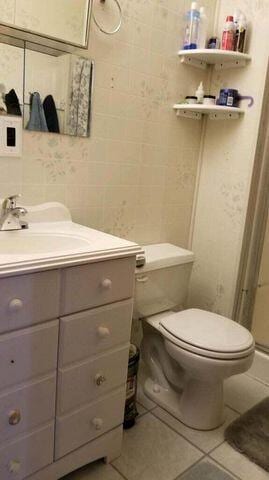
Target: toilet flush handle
142,279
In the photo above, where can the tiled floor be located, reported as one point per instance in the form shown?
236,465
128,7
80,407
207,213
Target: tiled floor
160,447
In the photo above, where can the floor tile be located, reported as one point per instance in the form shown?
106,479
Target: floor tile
238,464
152,451
242,392
206,441
207,469
94,471
141,410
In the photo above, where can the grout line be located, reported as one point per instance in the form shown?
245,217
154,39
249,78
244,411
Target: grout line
116,469
180,435
190,467
216,447
225,468
256,379
233,409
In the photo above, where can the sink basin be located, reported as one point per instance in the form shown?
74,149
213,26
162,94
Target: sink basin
24,243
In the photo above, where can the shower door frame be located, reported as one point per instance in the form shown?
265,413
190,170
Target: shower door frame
256,223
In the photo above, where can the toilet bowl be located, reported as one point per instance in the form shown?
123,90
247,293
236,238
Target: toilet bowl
189,353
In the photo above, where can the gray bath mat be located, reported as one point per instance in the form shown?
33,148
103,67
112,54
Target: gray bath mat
249,434
206,471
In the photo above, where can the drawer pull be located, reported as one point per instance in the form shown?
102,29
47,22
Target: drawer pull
97,423
14,466
100,379
15,305
106,284
14,417
103,332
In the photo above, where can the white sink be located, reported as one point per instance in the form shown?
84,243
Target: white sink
24,243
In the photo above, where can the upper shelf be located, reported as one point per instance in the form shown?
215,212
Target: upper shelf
215,112
221,59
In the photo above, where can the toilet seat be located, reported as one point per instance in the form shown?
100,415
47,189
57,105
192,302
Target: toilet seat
207,334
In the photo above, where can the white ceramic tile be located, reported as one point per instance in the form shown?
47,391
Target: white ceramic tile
242,392
238,464
206,441
206,460
152,451
94,471
140,409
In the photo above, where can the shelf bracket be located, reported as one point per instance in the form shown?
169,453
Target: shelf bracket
231,64
187,60
188,114
224,116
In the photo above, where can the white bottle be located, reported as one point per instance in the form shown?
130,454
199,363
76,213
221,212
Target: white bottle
203,29
200,93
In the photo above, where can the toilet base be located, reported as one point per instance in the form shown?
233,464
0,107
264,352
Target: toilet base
195,415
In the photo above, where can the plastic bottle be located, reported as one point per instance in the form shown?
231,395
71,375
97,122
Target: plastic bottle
228,36
192,28
203,29
240,34
200,93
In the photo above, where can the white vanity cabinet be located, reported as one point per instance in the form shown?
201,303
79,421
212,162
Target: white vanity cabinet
64,347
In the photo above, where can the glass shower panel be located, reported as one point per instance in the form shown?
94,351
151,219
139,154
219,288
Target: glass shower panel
260,324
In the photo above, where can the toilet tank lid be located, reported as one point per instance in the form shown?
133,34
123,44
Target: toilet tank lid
163,255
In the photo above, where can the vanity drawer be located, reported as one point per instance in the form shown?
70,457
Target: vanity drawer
29,299
27,455
88,333
28,353
87,286
27,408
89,422
84,383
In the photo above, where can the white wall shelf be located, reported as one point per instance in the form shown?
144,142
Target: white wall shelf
221,59
215,112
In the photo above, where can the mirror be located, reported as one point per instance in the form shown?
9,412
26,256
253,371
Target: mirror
57,92
51,89
63,20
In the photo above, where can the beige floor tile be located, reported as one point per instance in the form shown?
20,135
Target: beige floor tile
192,470
242,392
152,451
94,471
206,441
238,464
141,410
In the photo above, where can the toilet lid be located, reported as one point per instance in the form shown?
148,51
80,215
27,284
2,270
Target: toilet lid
198,330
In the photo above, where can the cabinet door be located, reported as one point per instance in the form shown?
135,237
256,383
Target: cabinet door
85,382
26,408
89,333
28,353
88,423
87,286
27,455
29,299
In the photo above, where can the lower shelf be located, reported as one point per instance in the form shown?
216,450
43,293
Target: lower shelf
215,112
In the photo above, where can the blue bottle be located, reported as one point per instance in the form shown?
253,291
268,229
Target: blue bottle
191,35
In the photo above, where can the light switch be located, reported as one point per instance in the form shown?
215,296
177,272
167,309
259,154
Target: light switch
10,136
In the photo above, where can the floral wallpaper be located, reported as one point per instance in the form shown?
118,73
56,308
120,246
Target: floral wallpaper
135,176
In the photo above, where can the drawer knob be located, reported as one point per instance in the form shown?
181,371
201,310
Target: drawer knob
103,332
106,284
15,305
14,466
14,417
97,423
100,379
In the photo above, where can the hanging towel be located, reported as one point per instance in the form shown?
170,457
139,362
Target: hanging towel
12,103
37,120
80,97
51,114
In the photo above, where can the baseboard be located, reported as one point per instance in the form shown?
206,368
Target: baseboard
260,367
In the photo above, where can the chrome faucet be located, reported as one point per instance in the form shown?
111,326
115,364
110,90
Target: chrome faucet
10,215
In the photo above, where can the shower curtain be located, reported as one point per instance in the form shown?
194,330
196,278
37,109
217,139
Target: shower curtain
80,97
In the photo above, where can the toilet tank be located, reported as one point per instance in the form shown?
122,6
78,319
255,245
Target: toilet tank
162,283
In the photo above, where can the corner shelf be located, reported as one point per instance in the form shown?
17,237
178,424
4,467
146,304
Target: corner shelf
221,59
215,112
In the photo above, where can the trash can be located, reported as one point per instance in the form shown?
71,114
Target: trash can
131,388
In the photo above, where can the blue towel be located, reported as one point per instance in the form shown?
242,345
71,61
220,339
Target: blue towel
37,120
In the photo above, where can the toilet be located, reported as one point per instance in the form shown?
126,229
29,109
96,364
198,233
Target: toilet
188,353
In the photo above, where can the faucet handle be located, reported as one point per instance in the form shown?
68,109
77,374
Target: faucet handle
10,202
